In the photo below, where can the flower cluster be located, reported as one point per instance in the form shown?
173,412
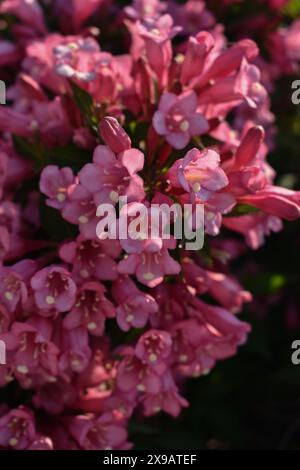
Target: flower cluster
97,330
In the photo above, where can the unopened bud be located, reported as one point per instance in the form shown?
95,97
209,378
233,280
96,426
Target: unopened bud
114,135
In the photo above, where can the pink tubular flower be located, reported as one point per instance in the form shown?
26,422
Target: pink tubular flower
76,353
254,227
29,13
91,309
80,209
55,184
168,399
212,334
199,173
92,258
114,135
135,376
147,235
196,54
276,201
32,354
225,289
150,268
54,288
154,347
13,284
17,429
109,177
177,118
98,433
134,306
157,35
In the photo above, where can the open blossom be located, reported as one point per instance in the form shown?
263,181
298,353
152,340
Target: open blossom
111,176
150,268
134,306
177,119
168,399
54,287
136,376
17,429
92,258
32,354
14,279
75,350
94,433
154,347
199,173
55,183
157,35
90,309
80,209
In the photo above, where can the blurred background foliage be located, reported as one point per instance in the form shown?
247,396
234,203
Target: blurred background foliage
252,401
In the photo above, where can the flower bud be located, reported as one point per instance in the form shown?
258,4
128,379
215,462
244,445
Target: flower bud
114,135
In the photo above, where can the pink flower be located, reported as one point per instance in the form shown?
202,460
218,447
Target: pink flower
29,13
146,235
196,55
199,173
96,433
134,306
17,429
114,135
54,288
149,268
168,399
31,352
227,291
212,334
135,376
177,119
171,309
254,227
13,284
80,209
273,200
109,177
92,258
157,35
154,347
55,183
75,351
90,310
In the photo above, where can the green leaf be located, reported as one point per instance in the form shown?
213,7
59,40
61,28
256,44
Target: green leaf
85,103
69,155
242,209
292,9
30,150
